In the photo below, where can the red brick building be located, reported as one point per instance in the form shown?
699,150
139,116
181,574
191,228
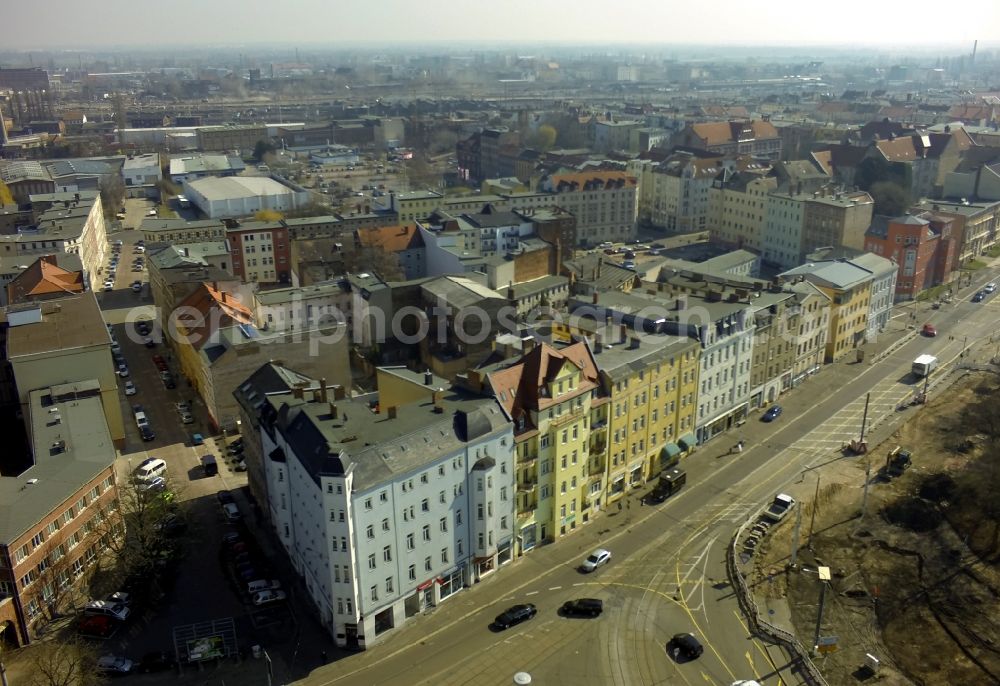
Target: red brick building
923,245
261,252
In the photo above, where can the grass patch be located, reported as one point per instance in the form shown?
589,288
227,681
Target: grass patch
994,251
973,265
933,293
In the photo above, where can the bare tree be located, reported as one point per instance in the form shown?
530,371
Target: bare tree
112,189
63,663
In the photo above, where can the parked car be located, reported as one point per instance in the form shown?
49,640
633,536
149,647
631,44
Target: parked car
232,512
147,433
136,286
97,626
114,665
118,611
155,485
515,615
268,597
772,413
685,645
224,497
596,559
159,661
187,418
130,388
197,439
263,585
109,285
240,466
171,525
183,406
122,369
583,607
149,342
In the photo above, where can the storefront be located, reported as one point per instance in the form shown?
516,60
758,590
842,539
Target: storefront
451,583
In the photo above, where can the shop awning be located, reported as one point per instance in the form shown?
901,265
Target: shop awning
687,441
670,450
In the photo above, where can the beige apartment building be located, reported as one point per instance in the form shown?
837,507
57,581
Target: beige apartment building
833,218
738,209
64,341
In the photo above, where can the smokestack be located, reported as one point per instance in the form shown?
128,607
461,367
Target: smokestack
3,129
975,44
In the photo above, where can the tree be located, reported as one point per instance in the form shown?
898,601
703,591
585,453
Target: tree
168,188
890,198
262,148
63,663
544,138
6,197
268,215
377,259
112,189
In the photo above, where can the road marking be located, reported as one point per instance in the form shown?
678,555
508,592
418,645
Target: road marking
760,649
554,588
532,593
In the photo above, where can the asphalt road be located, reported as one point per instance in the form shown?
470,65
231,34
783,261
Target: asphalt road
667,574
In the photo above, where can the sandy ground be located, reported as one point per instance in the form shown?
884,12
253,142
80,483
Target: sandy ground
916,582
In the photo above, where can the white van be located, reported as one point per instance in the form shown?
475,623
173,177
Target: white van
150,469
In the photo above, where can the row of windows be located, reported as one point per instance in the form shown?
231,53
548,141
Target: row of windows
65,518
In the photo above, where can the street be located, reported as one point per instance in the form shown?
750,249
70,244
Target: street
668,573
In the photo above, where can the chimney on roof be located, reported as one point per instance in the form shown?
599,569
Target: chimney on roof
437,397
595,297
322,390
333,410
428,377
391,411
527,345
633,343
622,333
339,392
681,303
297,392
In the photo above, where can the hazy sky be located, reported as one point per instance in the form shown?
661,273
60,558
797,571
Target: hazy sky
71,23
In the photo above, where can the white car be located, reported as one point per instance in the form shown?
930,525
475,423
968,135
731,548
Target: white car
130,388
990,287
114,664
123,370
151,213
109,285
267,597
596,559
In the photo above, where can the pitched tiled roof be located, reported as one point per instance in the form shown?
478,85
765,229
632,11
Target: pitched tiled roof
391,238
205,311
583,178
44,277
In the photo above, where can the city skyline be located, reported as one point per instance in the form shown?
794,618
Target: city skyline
644,22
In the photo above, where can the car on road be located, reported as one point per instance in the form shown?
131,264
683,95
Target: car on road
114,665
979,297
197,439
583,607
596,559
268,597
136,286
122,369
929,330
772,413
130,388
685,645
515,615
990,287
187,418
183,406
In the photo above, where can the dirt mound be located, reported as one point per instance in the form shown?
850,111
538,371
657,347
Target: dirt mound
915,514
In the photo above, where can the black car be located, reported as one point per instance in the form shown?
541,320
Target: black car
685,645
224,497
583,607
147,433
979,297
515,615
156,662
772,413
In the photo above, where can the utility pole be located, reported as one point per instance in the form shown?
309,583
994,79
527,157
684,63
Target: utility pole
864,419
812,518
824,578
795,537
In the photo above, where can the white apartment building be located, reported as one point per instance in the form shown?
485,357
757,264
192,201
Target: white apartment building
384,510
674,194
738,209
64,223
781,243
